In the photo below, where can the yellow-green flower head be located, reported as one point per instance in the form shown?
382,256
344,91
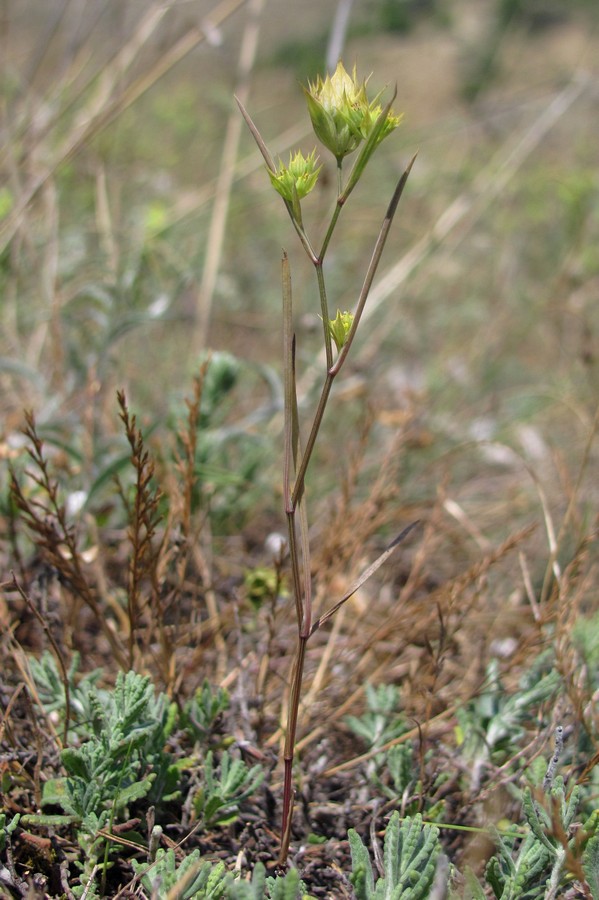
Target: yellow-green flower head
295,181
370,116
261,584
340,326
341,114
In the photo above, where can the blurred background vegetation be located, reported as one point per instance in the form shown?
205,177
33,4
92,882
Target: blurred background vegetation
120,152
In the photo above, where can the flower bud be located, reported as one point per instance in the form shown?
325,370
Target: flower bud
340,326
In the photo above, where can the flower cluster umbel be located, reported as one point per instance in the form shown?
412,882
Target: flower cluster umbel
295,181
342,115
342,118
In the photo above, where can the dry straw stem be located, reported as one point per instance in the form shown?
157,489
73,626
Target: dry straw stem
226,176
555,536
365,576
451,596
105,96
436,727
452,599
555,541
575,597
14,585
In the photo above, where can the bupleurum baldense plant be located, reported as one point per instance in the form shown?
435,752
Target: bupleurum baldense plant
346,121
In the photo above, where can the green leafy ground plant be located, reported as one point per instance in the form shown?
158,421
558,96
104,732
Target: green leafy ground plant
537,860
409,862
123,761
192,879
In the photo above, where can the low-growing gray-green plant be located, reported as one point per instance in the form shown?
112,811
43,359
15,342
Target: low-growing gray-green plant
395,772
192,879
132,723
345,120
202,711
197,879
410,856
226,784
590,865
492,722
396,775
381,721
71,702
7,829
122,761
263,887
255,889
536,864
520,868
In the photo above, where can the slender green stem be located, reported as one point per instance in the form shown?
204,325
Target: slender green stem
331,228
339,177
289,365
338,207
334,369
324,312
302,593
291,439
318,263
298,489
297,224
295,568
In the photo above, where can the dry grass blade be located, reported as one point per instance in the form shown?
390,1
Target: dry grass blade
6,713
14,584
224,184
111,98
368,573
